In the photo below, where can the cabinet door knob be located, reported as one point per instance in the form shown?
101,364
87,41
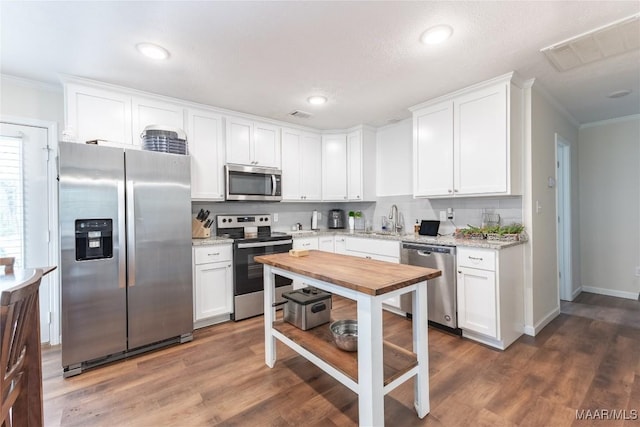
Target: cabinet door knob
455,191
449,190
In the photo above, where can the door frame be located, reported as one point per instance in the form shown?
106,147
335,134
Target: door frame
563,218
54,249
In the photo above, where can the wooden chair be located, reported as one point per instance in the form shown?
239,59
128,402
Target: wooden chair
20,357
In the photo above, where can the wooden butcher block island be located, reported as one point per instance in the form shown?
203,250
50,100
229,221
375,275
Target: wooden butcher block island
377,367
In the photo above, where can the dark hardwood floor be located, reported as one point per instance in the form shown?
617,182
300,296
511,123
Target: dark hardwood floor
583,360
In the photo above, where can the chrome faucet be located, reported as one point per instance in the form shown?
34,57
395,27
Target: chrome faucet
394,216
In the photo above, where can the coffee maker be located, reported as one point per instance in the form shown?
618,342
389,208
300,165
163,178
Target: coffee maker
336,218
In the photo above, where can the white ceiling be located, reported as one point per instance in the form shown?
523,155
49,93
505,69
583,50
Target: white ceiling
266,58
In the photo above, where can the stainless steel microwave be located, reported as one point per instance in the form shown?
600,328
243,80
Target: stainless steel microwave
253,183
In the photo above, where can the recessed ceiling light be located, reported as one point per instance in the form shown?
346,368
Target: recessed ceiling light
317,100
152,51
437,34
619,93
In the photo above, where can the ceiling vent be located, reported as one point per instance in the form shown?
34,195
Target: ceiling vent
610,40
300,114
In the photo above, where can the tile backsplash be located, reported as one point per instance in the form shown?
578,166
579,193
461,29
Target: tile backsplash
466,211
289,213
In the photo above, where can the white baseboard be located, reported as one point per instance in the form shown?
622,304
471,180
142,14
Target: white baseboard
611,292
576,293
534,330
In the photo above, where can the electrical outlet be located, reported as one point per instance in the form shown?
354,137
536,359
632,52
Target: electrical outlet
638,271
319,216
443,216
538,206
275,217
450,213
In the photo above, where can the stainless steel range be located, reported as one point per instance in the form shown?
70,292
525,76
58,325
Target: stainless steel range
252,236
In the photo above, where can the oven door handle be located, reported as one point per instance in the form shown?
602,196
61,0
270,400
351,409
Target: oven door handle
264,244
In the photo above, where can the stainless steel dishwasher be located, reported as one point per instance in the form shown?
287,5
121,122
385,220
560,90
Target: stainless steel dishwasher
441,292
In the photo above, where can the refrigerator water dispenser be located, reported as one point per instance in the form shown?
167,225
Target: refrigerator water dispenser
94,239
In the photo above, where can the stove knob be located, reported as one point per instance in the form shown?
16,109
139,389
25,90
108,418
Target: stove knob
224,219
230,219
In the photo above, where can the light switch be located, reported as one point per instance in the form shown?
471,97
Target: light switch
275,217
538,206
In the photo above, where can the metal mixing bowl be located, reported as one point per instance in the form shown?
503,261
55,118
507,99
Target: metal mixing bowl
345,334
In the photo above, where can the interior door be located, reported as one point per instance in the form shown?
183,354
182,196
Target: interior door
25,205
159,268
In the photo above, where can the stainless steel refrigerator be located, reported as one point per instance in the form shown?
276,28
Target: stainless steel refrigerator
125,229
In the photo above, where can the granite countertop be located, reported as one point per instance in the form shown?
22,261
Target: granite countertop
440,240
213,240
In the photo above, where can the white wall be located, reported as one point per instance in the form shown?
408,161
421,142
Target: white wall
394,159
545,118
29,99
609,160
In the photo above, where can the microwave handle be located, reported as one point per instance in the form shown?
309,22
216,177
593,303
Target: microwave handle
274,183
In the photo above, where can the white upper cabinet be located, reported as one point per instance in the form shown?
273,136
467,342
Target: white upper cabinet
480,142
147,112
116,117
206,147
252,143
469,143
348,166
93,113
301,166
355,190
433,150
334,167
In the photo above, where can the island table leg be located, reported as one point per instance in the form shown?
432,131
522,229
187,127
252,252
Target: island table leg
269,317
370,367
421,349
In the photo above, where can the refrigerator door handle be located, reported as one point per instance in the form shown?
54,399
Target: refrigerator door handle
131,235
122,245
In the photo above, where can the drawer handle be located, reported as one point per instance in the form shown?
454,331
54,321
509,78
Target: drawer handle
475,258
216,254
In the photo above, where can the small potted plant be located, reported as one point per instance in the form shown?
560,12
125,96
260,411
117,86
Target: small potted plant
352,221
471,232
512,232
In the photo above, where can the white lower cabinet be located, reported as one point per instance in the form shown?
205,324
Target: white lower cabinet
326,243
380,250
490,294
213,285
477,301
309,243
340,244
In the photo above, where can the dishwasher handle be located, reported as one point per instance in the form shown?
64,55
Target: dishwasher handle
426,250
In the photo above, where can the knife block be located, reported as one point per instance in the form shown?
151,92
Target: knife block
198,231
